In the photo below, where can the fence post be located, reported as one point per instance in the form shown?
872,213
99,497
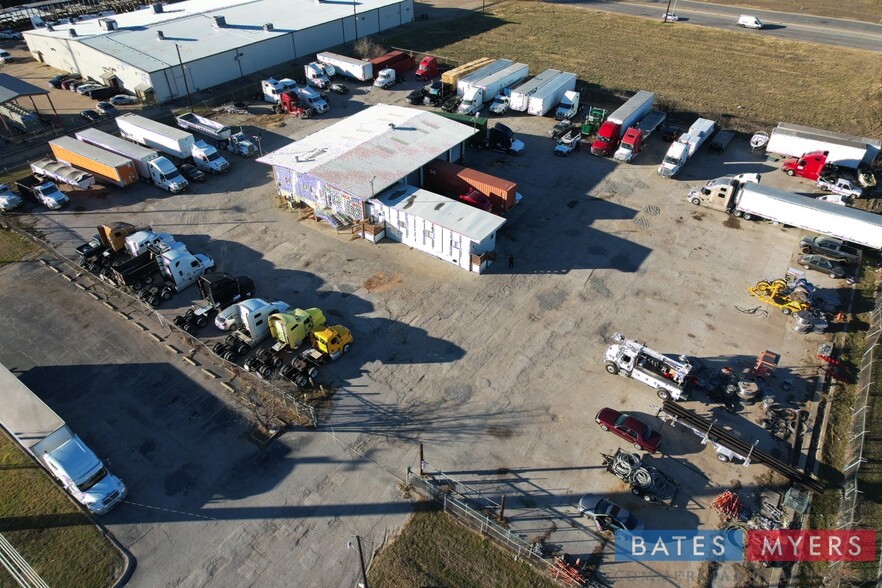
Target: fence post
502,508
421,459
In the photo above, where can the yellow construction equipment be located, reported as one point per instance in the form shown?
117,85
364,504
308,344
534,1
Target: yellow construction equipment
778,293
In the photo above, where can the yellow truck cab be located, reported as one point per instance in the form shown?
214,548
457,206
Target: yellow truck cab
332,341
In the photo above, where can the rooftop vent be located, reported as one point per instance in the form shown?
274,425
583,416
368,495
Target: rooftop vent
107,24
71,32
219,22
157,8
160,36
268,26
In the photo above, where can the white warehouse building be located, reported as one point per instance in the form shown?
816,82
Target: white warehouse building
218,41
367,171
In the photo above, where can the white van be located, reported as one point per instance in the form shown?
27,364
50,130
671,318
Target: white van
5,57
751,22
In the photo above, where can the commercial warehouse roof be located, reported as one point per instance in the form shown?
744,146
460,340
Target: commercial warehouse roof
460,218
369,151
191,25
12,88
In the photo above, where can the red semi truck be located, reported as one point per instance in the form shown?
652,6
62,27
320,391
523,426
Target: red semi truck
610,132
808,166
427,69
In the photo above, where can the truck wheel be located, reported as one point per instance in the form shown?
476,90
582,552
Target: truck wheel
242,348
105,262
230,355
155,301
786,311
180,321
663,394
737,214
346,348
604,428
286,371
202,322
312,372
696,201
635,491
647,498
809,250
266,371
277,362
137,286
189,328
723,458
219,348
301,381
748,216
167,294
790,172
148,280
612,368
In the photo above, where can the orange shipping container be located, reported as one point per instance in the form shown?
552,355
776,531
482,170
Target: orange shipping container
454,180
105,165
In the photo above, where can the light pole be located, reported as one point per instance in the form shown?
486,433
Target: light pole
361,560
259,147
184,73
355,18
667,11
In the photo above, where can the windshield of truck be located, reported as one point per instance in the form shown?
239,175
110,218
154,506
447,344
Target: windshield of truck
672,160
213,156
601,139
97,477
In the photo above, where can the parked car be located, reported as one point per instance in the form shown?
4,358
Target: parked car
66,84
190,172
451,104
123,100
416,97
90,115
629,428
55,81
671,133
671,17
75,84
88,87
608,515
107,109
10,34
819,263
339,88
6,57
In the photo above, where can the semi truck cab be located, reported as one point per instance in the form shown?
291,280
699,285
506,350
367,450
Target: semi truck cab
164,174
207,158
332,341
83,475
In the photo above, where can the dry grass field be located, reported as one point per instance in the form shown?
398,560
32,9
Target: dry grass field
744,81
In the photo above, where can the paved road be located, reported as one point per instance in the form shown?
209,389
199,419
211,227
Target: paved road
794,27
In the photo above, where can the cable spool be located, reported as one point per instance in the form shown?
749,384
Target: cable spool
624,464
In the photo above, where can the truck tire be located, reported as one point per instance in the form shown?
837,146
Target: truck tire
786,311
663,394
809,250
612,368
155,301
301,380
148,280
105,262
723,458
696,201
219,348
230,355
346,348
277,362
242,348
167,294
737,214
285,371
790,173
189,328
647,498
202,321
747,216
266,371
137,286
312,372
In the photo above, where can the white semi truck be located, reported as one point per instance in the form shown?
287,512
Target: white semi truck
685,147
46,437
754,201
171,141
669,377
484,90
151,166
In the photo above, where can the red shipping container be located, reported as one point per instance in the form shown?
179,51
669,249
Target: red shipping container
398,60
455,180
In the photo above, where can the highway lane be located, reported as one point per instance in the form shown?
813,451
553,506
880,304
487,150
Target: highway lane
784,25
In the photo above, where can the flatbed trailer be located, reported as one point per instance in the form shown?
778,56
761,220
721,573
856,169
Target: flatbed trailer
645,481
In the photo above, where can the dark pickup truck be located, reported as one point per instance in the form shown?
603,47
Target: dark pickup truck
830,247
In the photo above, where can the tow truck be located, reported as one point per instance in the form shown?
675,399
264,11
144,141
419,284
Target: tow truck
669,377
645,481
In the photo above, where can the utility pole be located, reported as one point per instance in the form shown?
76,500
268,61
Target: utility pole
355,17
184,73
361,558
667,11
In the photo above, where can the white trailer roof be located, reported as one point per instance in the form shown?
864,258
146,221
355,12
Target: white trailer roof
553,85
94,153
369,151
460,218
191,26
154,127
486,70
537,82
22,413
116,143
502,74
849,212
792,130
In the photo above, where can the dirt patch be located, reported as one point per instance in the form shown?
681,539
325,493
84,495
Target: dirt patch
380,281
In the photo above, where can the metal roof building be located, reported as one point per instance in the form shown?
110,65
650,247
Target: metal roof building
340,170
218,40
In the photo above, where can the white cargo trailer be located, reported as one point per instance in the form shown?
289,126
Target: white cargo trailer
521,94
549,95
843,150
685,147
351,67
483,91
171,141
466,82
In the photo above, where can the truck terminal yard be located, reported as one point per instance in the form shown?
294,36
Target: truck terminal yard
441,360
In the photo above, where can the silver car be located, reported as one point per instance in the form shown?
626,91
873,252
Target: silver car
608,515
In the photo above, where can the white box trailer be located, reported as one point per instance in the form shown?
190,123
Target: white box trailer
169,140
466,82
846,223
521,94
549,95
484,90
843,150
351,67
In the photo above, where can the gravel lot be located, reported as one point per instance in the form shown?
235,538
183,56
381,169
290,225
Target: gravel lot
498,375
